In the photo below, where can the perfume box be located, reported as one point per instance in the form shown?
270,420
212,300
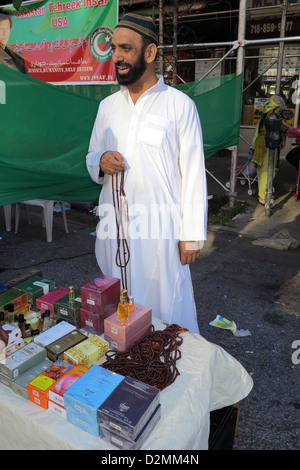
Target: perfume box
38,388
83,399
85,353
19,385
46,301
68,310
21,360
57,409
121,336
6,381
36,287
92,322
101,295
138,320
138,442
52,334
13,296
100,343
57,349
8,351
128,408
58,389
3,287
14,335
116,344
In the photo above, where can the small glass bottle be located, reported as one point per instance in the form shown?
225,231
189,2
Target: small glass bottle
131,304
71,294
123,306
9,313
47,320
21,324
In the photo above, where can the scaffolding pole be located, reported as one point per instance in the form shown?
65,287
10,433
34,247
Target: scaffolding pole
240,45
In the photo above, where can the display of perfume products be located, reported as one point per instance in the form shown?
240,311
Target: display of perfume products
58,337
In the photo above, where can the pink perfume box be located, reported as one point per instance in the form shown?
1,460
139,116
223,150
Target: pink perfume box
46,301
137,321
101,295
117,344
94,322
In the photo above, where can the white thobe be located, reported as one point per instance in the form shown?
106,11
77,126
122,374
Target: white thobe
160,139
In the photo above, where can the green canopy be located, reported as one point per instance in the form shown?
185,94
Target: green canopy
218,102
45,132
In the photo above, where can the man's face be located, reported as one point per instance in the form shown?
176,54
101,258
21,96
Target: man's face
4,32
128,56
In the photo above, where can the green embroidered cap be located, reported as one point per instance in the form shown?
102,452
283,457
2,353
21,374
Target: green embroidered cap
141,23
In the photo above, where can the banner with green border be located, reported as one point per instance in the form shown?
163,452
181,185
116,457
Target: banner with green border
65,41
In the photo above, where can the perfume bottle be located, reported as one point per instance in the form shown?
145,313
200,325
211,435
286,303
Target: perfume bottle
131,304
47,320
22,325
71,294
123,306
23,309
9,313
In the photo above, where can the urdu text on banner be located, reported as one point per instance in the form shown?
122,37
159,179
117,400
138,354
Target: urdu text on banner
65,41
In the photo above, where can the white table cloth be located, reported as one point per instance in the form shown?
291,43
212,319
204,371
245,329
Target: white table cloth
209,379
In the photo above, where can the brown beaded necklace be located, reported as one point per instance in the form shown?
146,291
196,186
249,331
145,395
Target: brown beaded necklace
152,359
121,211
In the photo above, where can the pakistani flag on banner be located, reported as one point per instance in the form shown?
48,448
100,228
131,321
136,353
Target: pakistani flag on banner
65,41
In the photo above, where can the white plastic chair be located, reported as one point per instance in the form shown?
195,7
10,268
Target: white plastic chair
7,217
47,220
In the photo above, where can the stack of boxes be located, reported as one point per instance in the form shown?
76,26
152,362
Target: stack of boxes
20,360
122,335
83,399
38,388
56,402
129,414
87,352
99,299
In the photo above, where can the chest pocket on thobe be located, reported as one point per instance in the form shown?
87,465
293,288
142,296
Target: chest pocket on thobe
154,130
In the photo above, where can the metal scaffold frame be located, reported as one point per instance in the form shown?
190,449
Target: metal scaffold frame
240,44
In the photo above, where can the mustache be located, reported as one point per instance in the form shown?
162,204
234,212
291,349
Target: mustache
120,63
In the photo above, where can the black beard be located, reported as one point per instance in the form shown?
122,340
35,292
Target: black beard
135,72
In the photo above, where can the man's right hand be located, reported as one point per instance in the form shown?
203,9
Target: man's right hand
112,162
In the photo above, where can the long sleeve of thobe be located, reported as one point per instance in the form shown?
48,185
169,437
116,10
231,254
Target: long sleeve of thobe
193,183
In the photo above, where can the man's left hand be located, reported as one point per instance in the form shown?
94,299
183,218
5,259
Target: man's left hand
187,253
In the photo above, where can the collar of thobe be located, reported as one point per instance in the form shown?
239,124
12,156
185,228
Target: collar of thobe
159,86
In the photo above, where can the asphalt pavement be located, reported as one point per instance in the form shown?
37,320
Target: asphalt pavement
245,273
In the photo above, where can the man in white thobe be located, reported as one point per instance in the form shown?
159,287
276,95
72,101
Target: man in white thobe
152,133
